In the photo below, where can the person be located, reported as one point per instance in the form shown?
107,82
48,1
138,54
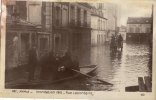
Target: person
112,44
32,63
53,63
65,65
44,66
120,42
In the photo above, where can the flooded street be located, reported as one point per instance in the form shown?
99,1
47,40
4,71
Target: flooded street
122,68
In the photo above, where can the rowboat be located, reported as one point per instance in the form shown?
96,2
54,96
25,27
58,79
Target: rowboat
89,69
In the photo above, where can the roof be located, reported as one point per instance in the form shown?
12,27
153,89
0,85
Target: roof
139,20
85,4
95,12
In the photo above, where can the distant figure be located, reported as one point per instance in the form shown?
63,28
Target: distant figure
113,45
32,62
120,42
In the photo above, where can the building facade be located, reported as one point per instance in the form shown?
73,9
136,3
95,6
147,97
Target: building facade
50,26
98,24
23,30
71,26
112,13
138,29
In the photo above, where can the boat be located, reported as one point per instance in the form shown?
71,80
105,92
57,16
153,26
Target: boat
89,69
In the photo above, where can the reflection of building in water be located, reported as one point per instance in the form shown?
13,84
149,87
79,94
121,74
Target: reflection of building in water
138,29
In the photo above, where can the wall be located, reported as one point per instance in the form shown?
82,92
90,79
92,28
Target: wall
142,28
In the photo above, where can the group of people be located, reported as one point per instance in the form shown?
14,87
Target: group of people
52,66
116,42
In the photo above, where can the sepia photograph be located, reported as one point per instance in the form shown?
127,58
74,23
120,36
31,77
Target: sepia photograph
84,46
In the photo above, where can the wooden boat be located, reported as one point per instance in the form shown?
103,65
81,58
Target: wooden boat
86,70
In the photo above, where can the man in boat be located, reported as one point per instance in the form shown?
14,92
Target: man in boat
67,64
33,59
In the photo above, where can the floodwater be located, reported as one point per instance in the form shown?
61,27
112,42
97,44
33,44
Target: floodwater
121,68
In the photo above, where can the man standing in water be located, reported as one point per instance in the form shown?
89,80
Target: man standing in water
120,42
32,63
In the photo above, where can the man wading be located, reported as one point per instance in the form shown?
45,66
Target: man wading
32,63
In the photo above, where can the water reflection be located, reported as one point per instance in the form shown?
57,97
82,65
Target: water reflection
120,68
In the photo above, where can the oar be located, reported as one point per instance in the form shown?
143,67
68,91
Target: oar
104,82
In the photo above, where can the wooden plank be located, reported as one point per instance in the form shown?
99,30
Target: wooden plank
141,84
148,83
132,88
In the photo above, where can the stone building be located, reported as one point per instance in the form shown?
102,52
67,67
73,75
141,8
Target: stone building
112,13
71,26
138,29
98,24
51,26
23,30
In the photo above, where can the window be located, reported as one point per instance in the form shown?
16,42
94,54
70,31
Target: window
131,30
104,25
99,24
58,15
72,15
148,30
10,9
78,17
65,17
137,30
43,44
22,9
85,18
